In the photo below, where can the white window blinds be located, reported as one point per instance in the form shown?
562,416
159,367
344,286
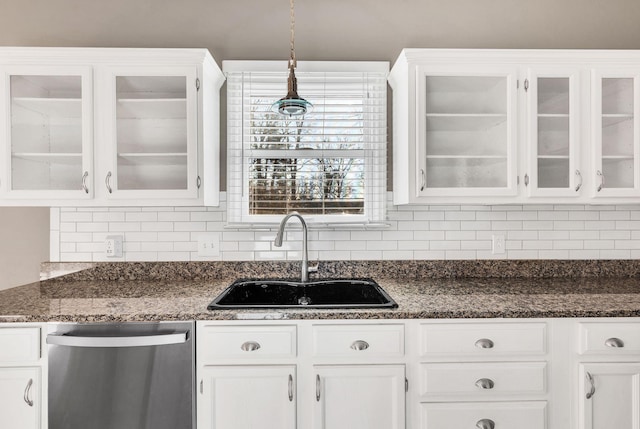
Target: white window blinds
329,164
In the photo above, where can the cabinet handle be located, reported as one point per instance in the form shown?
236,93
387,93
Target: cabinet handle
198,182
290,388
614,342
599,173
484,343
485,424
423,179
318,387
107,181
250,346
84,182
360,345
579,185
202,386
592,391
526,180
485,383
27,391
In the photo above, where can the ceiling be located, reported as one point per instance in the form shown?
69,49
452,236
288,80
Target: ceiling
326,29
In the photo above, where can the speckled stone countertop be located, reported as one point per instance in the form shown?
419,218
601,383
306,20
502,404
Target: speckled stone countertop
182,291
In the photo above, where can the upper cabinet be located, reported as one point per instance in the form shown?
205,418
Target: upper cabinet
515,126
109,127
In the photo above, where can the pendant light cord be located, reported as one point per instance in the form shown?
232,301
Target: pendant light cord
292,62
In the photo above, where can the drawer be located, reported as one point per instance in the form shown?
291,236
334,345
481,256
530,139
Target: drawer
246,342
482,339
19,345
358,340
483,379
498,415
617,338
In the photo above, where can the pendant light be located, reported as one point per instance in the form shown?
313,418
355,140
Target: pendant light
292,104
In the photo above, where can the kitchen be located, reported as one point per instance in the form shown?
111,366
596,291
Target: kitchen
451,233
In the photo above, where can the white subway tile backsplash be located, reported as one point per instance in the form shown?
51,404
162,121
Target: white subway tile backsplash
418,232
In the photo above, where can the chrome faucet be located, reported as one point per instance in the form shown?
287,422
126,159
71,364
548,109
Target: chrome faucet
306,269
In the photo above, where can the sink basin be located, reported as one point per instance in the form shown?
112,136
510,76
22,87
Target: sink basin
327,293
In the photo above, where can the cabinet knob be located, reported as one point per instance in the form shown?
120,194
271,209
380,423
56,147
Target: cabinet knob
484,343
360,345
485,383
485,424
614,342
250,346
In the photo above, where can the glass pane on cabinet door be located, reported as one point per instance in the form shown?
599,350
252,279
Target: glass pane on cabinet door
618,132
151,123
554,137
46,132
466,132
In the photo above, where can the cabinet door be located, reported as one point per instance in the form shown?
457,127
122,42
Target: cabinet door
616,126
20,398
466,131
553,124
47,120
360,397
247,397
614,396
151,130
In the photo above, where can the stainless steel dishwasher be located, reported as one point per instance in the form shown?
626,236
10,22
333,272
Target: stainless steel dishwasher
122,376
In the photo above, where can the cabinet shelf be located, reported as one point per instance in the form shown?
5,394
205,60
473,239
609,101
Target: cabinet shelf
464,122
179,158
57,158
56,107
611,119
152,108
465,157
553,157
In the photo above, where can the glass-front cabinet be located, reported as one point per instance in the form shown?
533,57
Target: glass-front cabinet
48,123
467,132
553,111
152,132
615,124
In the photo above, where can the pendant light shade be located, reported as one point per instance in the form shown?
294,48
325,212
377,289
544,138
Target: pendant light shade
292,104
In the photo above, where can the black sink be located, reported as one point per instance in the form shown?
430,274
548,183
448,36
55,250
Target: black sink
327,293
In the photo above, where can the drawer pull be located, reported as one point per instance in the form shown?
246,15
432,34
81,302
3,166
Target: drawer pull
250,346
485,383
360,345
484,343
27,392
485,424
614,342
593,386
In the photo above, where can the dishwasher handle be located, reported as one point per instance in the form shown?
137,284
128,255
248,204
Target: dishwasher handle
64,339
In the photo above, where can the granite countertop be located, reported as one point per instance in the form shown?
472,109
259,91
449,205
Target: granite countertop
99,295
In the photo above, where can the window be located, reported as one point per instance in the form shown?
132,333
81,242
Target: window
329,165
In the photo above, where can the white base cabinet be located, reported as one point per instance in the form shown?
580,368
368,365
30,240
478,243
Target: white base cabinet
360,397
20,403
248,397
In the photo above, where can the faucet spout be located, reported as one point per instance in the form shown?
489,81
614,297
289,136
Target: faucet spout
304,276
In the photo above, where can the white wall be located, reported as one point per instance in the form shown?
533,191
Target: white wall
414,232
24,244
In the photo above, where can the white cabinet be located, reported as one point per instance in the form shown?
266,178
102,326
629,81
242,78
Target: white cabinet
21,371
616,129
96,127
47,119
360,397
20,400
610,395
151,132
466,130
248,397
516,126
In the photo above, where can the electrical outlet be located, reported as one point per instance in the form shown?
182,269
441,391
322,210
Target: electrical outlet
209,244
113,246
497,244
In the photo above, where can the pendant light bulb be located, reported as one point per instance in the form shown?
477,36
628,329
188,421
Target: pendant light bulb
292,104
